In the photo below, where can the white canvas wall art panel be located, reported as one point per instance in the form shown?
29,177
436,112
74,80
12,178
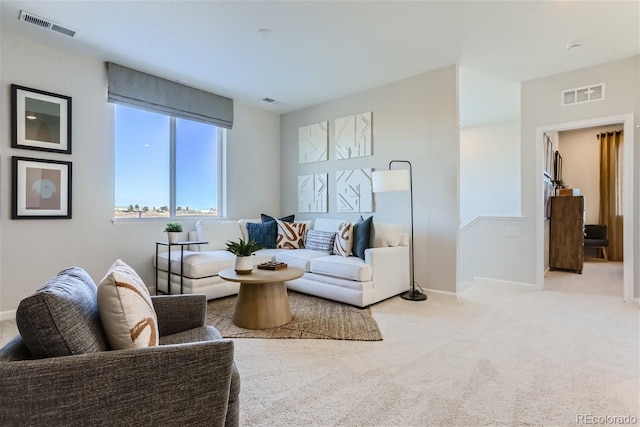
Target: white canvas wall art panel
354,190
312,193
313,143
353,136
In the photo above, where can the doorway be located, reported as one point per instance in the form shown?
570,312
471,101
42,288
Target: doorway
628,194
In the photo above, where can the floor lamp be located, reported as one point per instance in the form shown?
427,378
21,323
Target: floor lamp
399,180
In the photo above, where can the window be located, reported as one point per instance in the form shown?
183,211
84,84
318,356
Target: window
165,166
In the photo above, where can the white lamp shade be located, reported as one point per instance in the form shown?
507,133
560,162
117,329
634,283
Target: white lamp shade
391,180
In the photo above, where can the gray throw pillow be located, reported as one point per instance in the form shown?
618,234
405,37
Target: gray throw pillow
61,318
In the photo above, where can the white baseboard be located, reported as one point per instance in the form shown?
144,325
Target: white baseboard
486,281
7,315
440,292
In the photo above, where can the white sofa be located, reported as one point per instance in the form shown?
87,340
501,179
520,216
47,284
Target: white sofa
383,273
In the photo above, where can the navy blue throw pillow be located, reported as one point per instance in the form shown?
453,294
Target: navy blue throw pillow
361,236
263,233
267,218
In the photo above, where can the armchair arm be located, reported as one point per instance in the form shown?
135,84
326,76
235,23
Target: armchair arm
184,385
179,313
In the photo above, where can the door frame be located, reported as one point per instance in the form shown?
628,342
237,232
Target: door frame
628,194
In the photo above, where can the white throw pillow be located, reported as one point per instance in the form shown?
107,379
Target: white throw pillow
386,234
126,311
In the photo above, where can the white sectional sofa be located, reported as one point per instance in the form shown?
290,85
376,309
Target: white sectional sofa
383,273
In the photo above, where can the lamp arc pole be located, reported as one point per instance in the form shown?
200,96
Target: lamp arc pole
411,294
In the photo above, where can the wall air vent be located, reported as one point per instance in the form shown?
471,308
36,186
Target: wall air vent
45,23
582,94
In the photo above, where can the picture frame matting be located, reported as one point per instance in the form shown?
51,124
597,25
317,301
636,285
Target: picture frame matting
41,188
40,120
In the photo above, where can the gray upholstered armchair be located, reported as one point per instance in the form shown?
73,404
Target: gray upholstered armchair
190,379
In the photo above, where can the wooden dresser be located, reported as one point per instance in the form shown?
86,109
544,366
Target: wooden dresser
566,236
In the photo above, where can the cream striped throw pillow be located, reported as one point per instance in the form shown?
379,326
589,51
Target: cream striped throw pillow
320,241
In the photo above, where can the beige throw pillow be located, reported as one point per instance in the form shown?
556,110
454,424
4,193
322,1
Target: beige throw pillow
344,241
290,235
126,311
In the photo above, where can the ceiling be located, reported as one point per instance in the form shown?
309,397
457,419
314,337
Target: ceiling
317,51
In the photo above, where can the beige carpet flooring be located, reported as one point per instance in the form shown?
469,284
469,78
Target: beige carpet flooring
497,356
313,318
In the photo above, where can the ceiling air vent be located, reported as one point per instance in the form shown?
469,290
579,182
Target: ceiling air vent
45,23
582,94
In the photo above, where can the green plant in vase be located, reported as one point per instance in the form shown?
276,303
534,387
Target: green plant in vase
243,251
557,185
173,230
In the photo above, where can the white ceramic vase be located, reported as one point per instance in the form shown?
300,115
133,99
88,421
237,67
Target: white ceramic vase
244,264
173,236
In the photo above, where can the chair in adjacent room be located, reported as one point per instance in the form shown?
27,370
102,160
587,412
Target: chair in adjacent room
595,236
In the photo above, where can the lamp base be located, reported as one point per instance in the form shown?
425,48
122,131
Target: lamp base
413,296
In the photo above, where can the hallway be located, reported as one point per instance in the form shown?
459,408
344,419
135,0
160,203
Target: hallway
597,278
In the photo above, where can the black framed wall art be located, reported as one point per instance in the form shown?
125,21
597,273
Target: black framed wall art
40,120
40,188
557,167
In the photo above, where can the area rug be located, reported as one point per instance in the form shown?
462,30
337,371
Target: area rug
313,318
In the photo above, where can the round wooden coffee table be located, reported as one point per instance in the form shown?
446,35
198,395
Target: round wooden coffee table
262,300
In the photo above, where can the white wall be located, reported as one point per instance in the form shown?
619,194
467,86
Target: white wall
490,171
541,109
414,119
581,165
486,251
490,202
31,251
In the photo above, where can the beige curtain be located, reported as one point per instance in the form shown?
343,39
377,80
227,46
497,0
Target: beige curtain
611,190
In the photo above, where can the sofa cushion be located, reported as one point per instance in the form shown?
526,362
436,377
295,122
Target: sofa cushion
290,235
327,224
300,258
320,241
267,218
197,264
217,233
343,242
350,268
361,237
61,318
126,310
264,233
386,234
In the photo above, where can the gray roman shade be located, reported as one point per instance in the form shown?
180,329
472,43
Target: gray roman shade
141,90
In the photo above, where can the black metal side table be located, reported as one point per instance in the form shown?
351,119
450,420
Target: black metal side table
182,245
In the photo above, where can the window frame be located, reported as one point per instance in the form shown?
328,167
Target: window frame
221,139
